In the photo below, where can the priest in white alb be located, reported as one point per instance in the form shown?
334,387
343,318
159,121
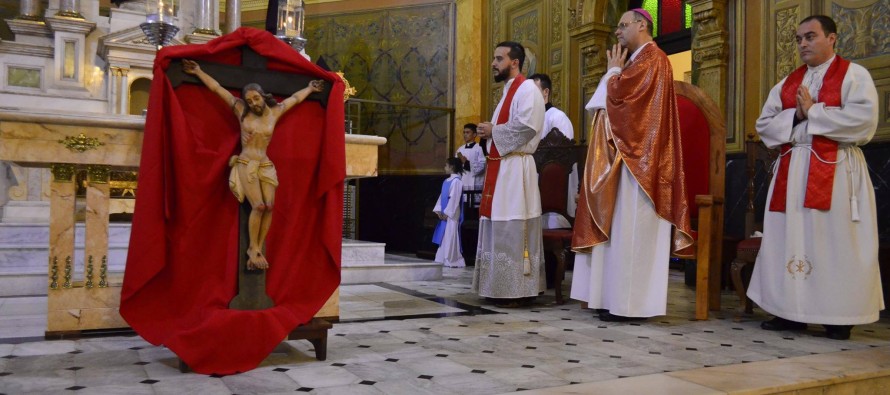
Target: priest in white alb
818,261
509,258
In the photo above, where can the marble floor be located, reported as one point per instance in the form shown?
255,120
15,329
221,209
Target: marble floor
437,337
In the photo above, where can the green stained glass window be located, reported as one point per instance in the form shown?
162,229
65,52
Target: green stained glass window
652,7
668,16
687,12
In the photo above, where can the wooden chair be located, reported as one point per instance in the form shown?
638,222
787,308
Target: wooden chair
554,159
703,135
747,249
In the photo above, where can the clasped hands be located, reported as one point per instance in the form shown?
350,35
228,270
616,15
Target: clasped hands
483,130
804,102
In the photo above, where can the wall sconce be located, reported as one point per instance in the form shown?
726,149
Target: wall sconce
159,17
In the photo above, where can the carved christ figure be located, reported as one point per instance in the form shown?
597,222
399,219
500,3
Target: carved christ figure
253,175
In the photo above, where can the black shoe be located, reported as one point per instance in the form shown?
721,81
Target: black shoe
609,317
781,324
838,332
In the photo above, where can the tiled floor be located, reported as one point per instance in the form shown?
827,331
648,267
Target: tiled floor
432,337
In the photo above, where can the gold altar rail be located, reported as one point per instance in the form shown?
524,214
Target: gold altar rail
97,142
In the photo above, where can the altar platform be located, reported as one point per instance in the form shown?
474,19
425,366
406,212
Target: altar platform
438,337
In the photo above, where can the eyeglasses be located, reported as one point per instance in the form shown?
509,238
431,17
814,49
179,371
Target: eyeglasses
624,25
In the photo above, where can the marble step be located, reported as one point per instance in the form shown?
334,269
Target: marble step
358,252
24,259
25,233
393,268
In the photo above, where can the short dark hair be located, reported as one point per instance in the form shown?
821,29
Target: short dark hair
456,166
517,51
471,126
828,25
649,28
544,80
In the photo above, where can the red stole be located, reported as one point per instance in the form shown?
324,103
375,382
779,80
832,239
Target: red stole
820,177
493,160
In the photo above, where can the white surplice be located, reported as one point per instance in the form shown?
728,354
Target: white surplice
474,178
821,266
515,222
627,275
554,118
449,251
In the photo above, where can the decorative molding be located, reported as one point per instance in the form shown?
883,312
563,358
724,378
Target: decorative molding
863,31
81,142
26,27
15,48
89,274
62,172
576,15
54,273
98,174
593,58
20,190
556,56
556,94
556,25
719,53
786,47
68,272
524,28
62,24
496,23
206,32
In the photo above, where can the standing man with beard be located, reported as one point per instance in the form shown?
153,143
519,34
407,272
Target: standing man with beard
818,262
634,190
253,174
509,258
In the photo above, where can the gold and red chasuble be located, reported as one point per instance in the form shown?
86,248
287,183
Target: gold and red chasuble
640,128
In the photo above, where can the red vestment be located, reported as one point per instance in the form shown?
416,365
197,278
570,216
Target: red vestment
182,264
820,177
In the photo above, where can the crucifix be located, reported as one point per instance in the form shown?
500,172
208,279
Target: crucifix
253,179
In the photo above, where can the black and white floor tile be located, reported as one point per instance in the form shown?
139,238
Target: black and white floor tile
429,337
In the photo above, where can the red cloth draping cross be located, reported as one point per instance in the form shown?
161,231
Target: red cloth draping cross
182,264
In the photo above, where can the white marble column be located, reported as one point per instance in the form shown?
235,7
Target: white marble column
206,17
233,15
113,88
124,94
69,8
29,10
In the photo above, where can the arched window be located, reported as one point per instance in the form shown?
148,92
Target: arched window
139,95
671,23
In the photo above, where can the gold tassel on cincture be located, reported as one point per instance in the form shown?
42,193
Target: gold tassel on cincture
526,264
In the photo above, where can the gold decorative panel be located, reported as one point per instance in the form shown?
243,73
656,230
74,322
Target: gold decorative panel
401,55
786,47
862,28
864,37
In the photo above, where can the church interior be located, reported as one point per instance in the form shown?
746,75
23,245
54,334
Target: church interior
75,78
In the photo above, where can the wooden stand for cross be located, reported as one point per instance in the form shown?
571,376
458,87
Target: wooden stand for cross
252,283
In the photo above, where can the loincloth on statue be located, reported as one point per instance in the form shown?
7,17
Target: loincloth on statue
256,171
